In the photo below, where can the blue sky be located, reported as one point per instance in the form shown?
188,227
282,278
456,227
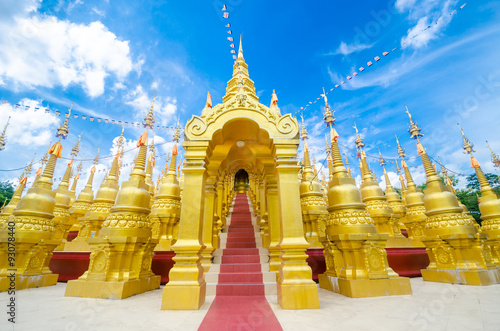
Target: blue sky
108,58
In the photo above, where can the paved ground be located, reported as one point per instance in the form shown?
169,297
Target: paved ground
433,306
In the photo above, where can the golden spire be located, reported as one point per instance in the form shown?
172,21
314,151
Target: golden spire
494,157
76,148
240,51
401,151
328,149
149,119
120,143
328,115
303,134
209,100
346,159
63,130
274,99
467,145
414,129
359,142
381,160
177,133
3,138
96,159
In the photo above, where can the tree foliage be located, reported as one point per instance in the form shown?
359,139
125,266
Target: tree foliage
6,192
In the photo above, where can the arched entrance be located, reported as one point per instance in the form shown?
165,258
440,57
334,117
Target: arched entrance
241,134
241,181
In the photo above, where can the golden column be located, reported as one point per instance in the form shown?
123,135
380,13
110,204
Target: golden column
365,271
208,221
91,223
274,224
314,213
264,216
415,218
24,261
296,289
489,205
120,262
373,196
457,252
166,208
186,288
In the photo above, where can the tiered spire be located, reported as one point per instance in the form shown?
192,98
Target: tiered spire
3,137
494,157
63,130
149,119
414,129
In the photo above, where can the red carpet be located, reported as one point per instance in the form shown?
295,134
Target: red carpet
240,303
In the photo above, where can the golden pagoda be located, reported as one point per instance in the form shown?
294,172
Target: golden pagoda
31,225
396,204
458,254
372,194
489,205
165,211
122,253
16,197
91,223
62,219
241,134
365,271
314,213
415,218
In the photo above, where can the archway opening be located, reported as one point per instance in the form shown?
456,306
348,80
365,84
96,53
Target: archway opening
241,182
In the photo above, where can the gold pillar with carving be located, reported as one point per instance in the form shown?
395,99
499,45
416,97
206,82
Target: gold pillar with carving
186,288
122,253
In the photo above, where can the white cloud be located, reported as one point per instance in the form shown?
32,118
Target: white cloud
98,12
38,50
431,17
28,127
346,49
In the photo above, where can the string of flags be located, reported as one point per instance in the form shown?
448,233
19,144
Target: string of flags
376,59
227,25
94,119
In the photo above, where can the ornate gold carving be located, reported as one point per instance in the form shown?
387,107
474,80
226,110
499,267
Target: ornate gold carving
349,217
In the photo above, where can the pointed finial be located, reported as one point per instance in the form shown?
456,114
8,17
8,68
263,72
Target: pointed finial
324,97
398,169
63,130
76,148
96,160
274,99
467,145
303,134
149,119
209,100
494,157
152,147
328,115
3,138
414,129
328,149
240,50
359,142
177,133
381,160
401,151
346,159
79,168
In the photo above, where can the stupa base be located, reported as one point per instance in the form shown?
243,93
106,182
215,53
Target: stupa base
298,296
183,297
99,289
465,277
19,282
77,246
403,242
365,288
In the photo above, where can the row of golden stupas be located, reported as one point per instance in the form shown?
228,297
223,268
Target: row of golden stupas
123,226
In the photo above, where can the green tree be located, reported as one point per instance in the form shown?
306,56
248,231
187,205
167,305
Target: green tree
6,192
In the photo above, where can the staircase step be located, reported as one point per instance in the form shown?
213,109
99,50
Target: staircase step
240,259
241,251
236,245
240,267
240,278
240,289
